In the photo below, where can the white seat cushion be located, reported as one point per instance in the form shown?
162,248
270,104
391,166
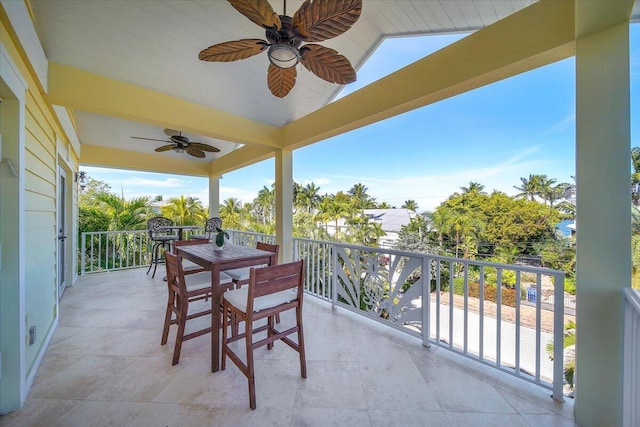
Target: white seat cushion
190,266
238,298
239,273
203,280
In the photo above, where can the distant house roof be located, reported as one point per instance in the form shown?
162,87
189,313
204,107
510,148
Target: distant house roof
391,220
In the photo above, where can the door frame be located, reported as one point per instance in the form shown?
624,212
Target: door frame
63,212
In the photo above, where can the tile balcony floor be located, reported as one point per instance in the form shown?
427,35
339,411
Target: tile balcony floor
105,367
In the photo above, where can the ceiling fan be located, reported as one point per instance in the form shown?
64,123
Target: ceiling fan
180,143
315,21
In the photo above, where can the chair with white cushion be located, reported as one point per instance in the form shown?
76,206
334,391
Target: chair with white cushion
271,290
240,276
184,290
190,267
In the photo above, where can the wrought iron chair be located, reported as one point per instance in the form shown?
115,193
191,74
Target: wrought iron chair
161,238
271,290
210,227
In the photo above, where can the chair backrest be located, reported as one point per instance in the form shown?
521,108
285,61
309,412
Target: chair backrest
212,224
276,278
175,274
269,247
157,224
187,243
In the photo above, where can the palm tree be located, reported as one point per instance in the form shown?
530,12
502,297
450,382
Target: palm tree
529,188
308,197
546,190
361,199
569,346
464,228
474,187
185,210
361,230
264,205
412,205
333,208
110,212
440,219
123,214
231,213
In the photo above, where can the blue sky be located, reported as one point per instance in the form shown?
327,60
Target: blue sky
493,135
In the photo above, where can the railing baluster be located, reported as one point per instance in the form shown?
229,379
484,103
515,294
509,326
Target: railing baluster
481,315
558,339
498,315
451,303
538,323
466,309
517,325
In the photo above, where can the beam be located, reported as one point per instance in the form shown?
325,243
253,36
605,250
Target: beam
240,158
537,35
78,89
94,155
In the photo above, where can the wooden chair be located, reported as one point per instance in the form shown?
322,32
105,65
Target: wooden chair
160,238
240,276
210,227
182,291
271,290
190,267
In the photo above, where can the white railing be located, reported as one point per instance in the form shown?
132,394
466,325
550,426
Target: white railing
389,286
249,238
631,364
113,250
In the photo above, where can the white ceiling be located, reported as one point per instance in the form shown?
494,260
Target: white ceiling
155,44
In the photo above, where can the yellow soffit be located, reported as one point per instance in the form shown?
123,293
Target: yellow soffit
74,88
94,155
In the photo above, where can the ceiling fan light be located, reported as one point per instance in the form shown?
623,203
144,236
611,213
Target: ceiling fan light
179,150
283,55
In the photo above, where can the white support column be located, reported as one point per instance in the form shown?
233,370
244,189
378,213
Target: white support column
284,203
214,195
603,256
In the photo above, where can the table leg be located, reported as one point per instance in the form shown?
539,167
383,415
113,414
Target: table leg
215,318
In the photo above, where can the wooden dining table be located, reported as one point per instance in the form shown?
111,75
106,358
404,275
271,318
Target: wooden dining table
215,261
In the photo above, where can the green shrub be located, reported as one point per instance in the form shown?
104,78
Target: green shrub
490,292
570,285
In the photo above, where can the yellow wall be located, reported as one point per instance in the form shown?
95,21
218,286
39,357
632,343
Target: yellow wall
40,192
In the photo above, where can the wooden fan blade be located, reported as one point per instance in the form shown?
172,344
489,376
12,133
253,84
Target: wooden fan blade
165,148
171,132
204,147
150,139
233,50
195,152
281,80
327,64
258,11
317,21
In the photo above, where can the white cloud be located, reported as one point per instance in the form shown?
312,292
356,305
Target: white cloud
429,190
561,126
245,196
154,183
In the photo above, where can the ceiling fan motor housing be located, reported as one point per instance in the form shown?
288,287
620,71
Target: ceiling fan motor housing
180,140
285,35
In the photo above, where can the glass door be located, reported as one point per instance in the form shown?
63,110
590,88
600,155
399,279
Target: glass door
62,232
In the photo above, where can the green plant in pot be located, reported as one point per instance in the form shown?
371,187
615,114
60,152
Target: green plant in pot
220,236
